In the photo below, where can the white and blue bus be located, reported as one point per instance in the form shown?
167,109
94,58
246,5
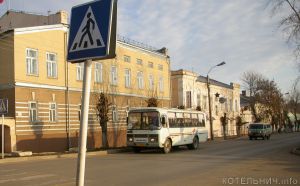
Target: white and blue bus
151,127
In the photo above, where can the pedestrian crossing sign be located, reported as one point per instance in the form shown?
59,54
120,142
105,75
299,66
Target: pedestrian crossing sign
3,106
92,31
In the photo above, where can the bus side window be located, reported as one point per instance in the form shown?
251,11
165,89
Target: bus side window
163,121
203,123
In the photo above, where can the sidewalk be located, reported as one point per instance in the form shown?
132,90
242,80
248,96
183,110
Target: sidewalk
54,155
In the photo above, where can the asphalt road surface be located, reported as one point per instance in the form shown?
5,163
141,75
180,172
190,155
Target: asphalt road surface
230,162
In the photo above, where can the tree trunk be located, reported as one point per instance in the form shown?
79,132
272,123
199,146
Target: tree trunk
104,136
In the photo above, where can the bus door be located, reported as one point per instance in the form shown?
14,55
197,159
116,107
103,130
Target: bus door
175,129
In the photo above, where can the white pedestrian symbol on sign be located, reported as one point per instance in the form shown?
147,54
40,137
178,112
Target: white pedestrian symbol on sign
88,35
2,106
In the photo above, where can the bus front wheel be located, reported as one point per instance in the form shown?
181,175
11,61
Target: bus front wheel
167,146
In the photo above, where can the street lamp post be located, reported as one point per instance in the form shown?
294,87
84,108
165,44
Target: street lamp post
209,101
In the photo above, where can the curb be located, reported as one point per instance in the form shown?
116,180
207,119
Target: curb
53,155
296,151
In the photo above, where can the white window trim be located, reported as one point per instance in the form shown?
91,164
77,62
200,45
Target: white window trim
139,61
114,75
115,117
127,78
80,67
140,80
128,57
30,109
151,82
100,79
55,110
52,62
161,84
37,62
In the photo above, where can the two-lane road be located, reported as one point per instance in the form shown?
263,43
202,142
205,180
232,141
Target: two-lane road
231,162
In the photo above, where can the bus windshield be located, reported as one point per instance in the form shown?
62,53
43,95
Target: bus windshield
256,126
143,120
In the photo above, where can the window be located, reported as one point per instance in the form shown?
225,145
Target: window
114,75
188,99
204,102
151,82
231,105
161,84
140,80
114,114
139,61
226,106
199,100
217,110
127,78
160,67
98,72
150,64
51,65
236,106
79,71
33,111
52,112
31,62
127,59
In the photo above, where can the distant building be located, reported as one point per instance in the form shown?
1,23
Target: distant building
44,90
189,90
19,19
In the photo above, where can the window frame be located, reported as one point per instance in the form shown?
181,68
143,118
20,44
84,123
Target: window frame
161,84
114,75
115,117
31,115
98,73
52,119
79,71
140,80
127,59
139,61
160,67
30,70
53,74
151,82
127,77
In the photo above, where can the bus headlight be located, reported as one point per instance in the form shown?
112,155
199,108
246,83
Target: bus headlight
153,138
130,138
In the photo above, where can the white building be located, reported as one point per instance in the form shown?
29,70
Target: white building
189,90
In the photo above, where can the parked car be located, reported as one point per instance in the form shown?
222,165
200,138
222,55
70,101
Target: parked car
262,130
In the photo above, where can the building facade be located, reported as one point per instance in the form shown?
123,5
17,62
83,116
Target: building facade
189,91
44,90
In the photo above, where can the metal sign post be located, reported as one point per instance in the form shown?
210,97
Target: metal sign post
2,150
92,36
3,110
84,122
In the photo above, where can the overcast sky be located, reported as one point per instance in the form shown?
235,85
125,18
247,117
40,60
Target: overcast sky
200,34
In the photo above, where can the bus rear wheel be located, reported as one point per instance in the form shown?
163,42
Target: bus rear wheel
195,144
167,146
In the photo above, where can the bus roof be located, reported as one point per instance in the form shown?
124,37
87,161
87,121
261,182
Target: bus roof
136,109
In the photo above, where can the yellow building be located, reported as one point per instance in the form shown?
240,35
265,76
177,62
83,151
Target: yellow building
44,90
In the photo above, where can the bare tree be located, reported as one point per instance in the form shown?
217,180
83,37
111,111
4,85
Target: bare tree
290,24
265,101
103,109
250,80
270,101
